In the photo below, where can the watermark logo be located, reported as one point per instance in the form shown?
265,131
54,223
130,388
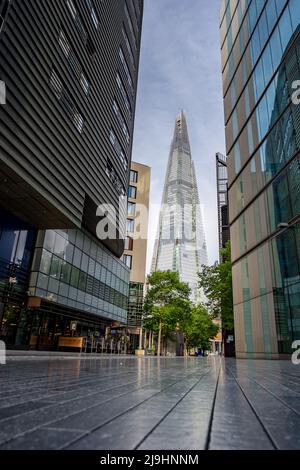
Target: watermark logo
178,223
2,353
2,92
296,93
296,354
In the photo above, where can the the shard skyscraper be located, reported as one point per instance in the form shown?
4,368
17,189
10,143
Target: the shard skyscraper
180,245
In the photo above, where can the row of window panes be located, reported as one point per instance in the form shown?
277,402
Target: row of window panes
254,266
133,7
282,257
264,26
118,148
4,6
113,176
131,208
78,299
124,94
66,102
132,192
130,225
129,21
136,6
278,149
73,62
261,122
87,277
121,121
52,288
278,204
133,176
231,31
234,45
126,69
128,46
128,244
262,75
286,269
81,30
92,12
269,60
127,260
64,243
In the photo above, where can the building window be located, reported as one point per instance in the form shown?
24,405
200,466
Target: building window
124,94
81,29
130,225
126,70
131,208
129,49
127,14
133,176
133,7
128,244
127,260
93,13
111,173
4,7
121,121
73,61
132,192
66,102
72,8
118,148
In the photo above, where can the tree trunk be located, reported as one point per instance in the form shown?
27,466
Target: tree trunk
159,339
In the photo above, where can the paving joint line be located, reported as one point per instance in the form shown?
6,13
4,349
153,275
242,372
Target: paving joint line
110,420
35,428
255,412
170,411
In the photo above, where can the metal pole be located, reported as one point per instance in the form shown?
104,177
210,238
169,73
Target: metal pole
141,339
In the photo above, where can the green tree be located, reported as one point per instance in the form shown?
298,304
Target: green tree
216,282
167,305
200,329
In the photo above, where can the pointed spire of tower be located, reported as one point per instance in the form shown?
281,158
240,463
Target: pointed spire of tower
181,136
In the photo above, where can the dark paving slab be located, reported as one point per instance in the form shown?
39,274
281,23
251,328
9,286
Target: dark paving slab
43,439
97,402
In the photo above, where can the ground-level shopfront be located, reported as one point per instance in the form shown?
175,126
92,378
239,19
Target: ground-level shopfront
52,327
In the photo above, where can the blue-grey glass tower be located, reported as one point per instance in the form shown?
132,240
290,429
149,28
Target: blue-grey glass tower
70,70
261,63
180,245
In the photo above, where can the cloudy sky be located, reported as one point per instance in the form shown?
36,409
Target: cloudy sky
180,69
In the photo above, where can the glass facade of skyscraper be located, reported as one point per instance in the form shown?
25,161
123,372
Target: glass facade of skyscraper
261,63
180,245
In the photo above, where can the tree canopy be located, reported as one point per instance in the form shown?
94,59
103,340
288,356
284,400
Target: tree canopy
200,329
168,308
216,282
167,302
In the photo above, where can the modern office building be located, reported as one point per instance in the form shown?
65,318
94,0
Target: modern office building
222,199
180,245
224,342
70,70
261,62
135,254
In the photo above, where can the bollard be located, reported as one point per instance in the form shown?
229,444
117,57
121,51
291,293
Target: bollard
2,353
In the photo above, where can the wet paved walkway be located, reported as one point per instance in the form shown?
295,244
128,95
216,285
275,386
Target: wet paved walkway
131,403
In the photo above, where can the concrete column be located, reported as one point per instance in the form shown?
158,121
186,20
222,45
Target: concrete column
141,339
